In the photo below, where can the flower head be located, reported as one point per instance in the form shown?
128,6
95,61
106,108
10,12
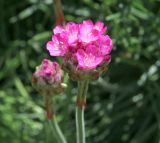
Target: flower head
48,78
84,47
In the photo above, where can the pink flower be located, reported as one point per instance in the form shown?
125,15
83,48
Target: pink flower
58,29
58,45
105,44
48,78
72,31
83,45
89,58
87,32
100,27
48,69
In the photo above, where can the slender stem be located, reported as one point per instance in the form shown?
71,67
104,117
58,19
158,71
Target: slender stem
80,125
81,97
59,12
49,106
57,131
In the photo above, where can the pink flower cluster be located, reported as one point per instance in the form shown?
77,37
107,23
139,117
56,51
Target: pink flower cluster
48,73
86,42
48,78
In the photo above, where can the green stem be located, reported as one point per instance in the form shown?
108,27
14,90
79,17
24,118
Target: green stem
81,97
57,131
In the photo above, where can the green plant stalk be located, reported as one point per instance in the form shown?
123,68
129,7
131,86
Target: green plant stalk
80,123
57,131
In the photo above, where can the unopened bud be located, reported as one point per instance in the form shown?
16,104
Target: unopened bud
48,78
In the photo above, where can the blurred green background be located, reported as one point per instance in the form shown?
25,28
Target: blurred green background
123,105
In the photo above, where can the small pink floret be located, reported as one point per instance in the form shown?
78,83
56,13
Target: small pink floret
87,32
105,44
72,31
47,74
58,29
46,69
100,27
58,45
89,58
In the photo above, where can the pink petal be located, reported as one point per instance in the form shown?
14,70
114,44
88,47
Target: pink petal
58,46
54,49
72,30
100,27
46,69
88,23
88,34
105,44
58,29
88,60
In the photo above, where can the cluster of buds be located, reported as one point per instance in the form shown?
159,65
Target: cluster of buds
84,47
47,78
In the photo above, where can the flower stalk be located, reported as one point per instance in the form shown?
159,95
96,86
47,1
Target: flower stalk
58,12
81,103
49,107
57,131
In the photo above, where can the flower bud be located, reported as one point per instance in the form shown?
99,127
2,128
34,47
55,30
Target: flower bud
48,78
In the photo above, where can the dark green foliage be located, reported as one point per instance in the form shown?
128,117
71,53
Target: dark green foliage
123,105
